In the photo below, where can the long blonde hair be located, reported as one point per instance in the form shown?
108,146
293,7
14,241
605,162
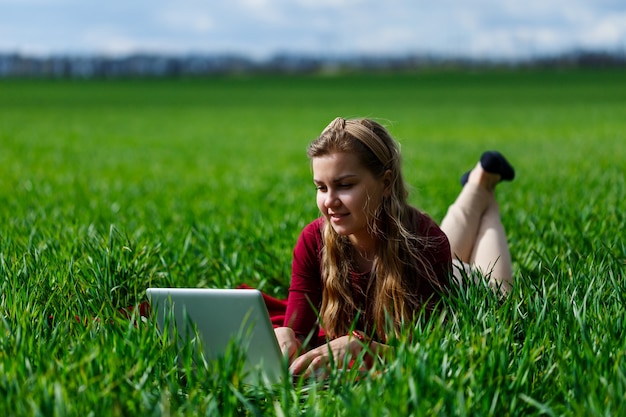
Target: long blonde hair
399,267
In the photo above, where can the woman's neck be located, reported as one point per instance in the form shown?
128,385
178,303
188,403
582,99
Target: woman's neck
364,252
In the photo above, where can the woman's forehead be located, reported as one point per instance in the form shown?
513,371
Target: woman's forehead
337,166
337,161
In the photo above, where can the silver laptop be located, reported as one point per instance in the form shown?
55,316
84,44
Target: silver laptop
220,317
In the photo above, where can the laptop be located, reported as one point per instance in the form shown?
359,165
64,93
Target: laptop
221,317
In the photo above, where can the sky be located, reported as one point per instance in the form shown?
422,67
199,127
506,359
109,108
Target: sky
261,28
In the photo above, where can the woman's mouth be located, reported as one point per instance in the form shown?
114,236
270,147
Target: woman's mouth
338,216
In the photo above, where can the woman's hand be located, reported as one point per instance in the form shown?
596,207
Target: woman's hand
287,341
316,361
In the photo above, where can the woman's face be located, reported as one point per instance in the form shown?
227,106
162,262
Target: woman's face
347,194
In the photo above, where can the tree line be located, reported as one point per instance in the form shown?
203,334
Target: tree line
156,65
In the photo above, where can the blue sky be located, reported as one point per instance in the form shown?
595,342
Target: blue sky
261,28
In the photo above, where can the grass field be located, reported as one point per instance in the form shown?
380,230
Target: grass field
112,186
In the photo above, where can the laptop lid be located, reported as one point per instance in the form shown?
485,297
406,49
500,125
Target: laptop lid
221,316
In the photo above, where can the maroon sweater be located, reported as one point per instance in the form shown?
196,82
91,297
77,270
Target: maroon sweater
305,292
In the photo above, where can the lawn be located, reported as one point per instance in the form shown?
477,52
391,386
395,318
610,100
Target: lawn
111,186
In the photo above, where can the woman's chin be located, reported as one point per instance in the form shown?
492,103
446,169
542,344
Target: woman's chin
341,231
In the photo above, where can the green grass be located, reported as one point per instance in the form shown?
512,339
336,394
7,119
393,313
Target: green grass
109,187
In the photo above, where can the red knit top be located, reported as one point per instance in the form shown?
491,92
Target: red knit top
305,292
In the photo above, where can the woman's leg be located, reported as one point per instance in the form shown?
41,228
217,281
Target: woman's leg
462,221
474,228
491,253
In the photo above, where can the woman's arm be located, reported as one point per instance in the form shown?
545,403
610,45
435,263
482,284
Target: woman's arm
305,289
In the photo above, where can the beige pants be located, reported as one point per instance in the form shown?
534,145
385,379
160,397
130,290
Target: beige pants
477,238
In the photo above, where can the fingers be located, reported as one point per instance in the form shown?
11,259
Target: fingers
317,361
318,368
301,363
311,364
319,358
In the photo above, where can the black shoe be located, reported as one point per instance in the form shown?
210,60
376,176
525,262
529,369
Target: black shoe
494,163
465,177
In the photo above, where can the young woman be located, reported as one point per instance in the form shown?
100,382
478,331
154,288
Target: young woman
372,262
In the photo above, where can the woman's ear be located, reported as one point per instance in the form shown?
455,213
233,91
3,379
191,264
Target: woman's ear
387,182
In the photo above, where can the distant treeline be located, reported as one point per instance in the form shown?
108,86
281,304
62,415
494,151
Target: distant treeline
155,65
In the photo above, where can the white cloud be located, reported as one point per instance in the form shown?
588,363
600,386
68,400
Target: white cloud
610,30
186,20
325,4
111,43
262,27
264,11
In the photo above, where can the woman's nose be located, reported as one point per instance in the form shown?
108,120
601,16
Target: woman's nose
332,200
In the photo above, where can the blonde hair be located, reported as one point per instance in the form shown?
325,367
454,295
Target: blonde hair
399,266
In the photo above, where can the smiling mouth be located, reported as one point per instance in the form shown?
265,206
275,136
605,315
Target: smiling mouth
338,215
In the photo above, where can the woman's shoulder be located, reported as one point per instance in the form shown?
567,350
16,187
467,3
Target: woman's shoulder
311,234
424,225
434,238
314,228
436,246
307,250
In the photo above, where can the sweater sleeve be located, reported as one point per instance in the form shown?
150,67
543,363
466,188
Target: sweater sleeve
305,291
